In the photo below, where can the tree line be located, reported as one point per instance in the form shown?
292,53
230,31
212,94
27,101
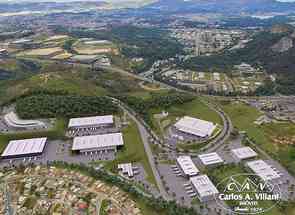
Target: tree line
45,105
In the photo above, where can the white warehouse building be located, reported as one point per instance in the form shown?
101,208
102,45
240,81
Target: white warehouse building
265,171
98,143
196,127
204,187
210,159
91,122
243,153
24,148
187,166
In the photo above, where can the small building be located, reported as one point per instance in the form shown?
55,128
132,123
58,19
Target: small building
126,168
265,171
196,127
187,166
204,187
243,153
210,159
3,53
98,143
85,123
24,148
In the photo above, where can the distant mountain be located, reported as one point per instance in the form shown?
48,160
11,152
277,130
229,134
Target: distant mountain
223,6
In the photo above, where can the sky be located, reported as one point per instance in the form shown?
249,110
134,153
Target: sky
3,1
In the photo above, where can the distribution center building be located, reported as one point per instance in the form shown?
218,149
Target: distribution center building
210,159
243,153
264,170
91,122
204,187
187,167
24,148
196,127
98,143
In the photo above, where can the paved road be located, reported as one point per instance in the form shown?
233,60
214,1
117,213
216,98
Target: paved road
145,138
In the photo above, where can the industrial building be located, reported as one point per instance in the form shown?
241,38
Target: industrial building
187,167
205,189
12,121
91,122
24,148
98,143
264,170
196,127
243,153
210,159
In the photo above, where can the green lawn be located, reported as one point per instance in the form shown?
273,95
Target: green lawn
243,117
194,108
133,151
57,132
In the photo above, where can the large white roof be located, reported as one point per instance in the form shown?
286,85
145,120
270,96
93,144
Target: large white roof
91,121
210,158
204,186
97,141
195,126
187,165
263,170
23,147
244,153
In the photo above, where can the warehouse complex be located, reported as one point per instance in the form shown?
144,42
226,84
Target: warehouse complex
91,122
98,143
204,187
24,148
196,127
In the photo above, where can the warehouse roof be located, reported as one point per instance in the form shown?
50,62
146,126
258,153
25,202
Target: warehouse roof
244,153
187,165
203,186
24,147
210,158
91,121
97,141
195,126
263,170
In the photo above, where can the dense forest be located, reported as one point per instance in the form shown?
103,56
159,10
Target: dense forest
49,106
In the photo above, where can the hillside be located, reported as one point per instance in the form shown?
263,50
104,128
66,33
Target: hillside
272,49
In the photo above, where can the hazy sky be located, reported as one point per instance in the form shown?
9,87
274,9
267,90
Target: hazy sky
91,0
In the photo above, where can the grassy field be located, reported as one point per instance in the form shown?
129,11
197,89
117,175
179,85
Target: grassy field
133,151
194,109
57,132
243,117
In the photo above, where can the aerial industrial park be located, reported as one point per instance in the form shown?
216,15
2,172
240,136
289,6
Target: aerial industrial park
147,108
